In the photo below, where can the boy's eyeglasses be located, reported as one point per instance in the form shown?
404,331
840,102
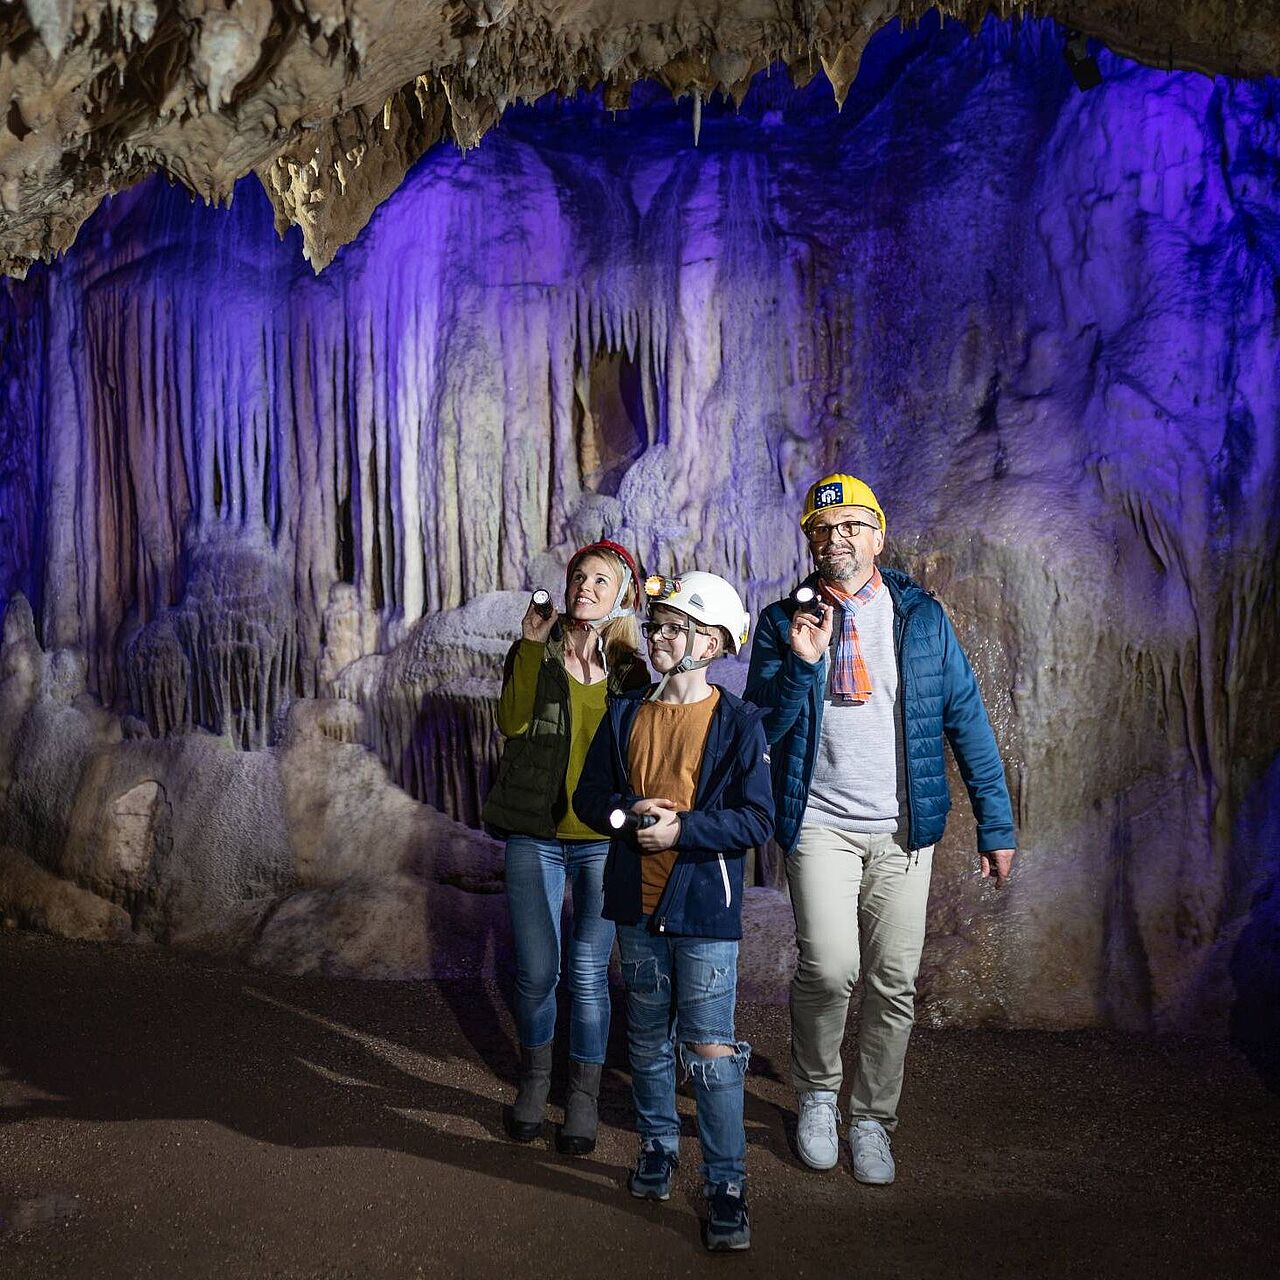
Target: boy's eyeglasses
845,528
667,630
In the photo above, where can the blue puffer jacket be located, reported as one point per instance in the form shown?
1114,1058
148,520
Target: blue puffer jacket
937,696
733,812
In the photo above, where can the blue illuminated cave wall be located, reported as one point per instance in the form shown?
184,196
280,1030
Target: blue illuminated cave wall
1042,323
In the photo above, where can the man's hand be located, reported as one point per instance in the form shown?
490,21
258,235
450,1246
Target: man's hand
999,862
533,626
664,833
810,636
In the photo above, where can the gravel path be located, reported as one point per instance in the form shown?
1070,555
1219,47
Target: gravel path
161,1116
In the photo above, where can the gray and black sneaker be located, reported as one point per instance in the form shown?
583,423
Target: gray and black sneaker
651,1178
728,1224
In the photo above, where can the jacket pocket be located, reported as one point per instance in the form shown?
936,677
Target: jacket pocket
724,877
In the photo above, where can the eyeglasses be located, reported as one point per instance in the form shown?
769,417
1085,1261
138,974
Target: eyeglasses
667,630
845,528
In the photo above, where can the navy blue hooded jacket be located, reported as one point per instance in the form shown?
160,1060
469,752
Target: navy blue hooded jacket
937,696
732,812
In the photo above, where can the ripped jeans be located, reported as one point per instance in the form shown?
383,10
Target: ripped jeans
685,988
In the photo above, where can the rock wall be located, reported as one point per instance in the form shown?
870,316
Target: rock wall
1042,323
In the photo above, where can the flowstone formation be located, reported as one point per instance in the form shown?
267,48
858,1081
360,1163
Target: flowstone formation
1042,323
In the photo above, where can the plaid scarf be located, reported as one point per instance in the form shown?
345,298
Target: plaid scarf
850,681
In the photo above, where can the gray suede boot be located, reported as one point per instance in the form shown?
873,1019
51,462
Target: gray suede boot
577,1136
523,1119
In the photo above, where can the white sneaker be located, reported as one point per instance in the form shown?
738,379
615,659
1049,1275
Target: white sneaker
872,1159
816,1133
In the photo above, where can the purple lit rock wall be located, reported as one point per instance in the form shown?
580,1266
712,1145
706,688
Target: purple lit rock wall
1043,324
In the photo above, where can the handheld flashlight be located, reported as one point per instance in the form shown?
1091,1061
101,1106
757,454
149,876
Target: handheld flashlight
621,820
542,605
807,600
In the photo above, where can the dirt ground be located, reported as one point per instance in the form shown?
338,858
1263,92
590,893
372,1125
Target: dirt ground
164,1117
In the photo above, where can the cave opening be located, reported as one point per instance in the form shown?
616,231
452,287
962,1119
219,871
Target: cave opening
609,422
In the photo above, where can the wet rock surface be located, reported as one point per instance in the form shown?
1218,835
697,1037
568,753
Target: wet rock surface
211,1121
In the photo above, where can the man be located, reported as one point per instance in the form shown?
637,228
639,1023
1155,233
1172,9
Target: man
860,788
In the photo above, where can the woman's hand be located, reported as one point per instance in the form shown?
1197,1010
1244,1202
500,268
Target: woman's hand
533,626
664,833
810,636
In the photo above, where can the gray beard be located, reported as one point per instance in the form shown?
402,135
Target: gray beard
840,571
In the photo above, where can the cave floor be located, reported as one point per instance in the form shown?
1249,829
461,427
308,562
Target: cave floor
169,1117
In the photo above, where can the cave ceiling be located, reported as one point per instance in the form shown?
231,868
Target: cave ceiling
330,102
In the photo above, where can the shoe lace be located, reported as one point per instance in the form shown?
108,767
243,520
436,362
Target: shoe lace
818,1117
654,1162
727,1201
874,1137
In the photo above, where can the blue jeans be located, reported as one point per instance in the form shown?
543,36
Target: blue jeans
685,989
536,872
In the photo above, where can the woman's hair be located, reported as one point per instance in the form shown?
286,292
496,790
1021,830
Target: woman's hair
619,636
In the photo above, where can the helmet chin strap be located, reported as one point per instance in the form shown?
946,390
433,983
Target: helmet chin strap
619,610
687,663
594,624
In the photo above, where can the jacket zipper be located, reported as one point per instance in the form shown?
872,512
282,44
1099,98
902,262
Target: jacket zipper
899,630
724,875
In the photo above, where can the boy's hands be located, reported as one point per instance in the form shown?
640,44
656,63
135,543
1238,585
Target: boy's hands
810,636
665,832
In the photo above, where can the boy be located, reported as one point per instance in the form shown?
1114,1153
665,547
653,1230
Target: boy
680,777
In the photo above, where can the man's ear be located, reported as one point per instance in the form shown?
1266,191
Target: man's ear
878,542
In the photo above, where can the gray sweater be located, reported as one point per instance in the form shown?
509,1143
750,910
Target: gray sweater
858,777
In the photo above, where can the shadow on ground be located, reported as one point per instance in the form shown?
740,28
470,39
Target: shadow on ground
242,1124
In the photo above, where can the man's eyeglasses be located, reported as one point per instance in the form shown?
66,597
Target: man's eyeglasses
845,528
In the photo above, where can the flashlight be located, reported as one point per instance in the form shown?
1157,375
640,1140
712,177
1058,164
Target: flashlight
621,820
807,600
542,605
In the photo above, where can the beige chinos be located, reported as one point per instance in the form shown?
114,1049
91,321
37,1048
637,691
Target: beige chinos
860,903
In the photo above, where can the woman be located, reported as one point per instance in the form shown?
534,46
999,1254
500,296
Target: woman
554,685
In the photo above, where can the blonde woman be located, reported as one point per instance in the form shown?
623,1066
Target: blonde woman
555,682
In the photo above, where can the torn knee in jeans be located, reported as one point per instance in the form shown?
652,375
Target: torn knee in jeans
714,1062
711,1050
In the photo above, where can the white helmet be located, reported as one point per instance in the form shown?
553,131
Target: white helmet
705,597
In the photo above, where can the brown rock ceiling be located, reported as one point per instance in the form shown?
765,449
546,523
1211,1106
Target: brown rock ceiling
330,101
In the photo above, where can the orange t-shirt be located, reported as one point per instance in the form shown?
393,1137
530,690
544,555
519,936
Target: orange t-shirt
664,758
